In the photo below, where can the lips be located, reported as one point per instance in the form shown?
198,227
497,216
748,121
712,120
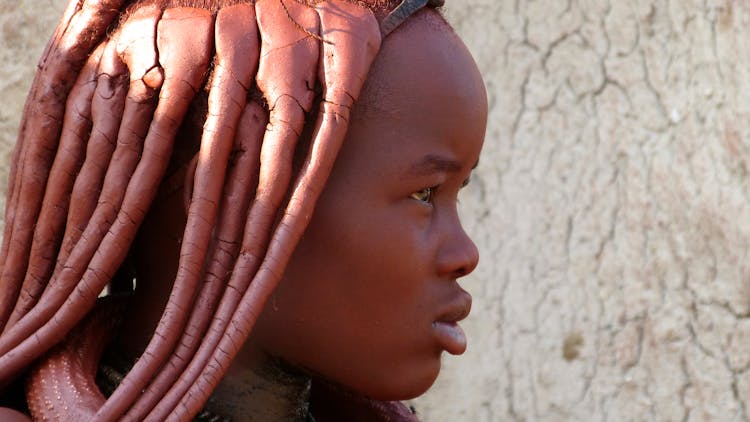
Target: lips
448,333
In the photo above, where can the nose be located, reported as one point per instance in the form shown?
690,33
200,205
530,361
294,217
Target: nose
458,255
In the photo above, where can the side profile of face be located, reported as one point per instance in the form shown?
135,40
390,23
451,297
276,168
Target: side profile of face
370,298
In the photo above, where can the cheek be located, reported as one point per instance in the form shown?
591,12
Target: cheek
375,262
354,304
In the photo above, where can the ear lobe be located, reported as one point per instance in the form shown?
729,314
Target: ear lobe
187,189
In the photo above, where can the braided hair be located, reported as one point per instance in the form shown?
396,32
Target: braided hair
117,85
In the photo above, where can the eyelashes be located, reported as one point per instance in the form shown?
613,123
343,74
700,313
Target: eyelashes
424,195
427,195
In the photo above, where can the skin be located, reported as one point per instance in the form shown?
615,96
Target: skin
166,51
353,317
351,40
379,263
175,69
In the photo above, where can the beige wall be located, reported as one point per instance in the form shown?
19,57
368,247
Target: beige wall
611,207
613,214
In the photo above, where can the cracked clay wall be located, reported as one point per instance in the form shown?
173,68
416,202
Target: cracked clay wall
611,207
612,211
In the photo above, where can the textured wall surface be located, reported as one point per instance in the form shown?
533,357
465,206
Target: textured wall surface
611,207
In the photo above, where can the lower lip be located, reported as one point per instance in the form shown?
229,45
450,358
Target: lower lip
450,336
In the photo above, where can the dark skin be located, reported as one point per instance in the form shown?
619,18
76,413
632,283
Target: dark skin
231,255
370,298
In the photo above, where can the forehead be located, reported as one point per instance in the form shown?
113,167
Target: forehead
424,95
423,49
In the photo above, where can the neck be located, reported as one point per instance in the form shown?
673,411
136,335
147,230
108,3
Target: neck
266,392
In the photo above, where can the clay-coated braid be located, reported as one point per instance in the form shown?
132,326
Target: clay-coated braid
49,65
68,159
108,109
175,96
40,132
241,182
91,216
137,115
71,9
354,40
236,42
285,51
184,42
286,76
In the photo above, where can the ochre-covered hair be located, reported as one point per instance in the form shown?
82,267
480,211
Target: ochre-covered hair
114,86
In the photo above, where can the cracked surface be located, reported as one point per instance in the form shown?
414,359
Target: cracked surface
613,204
610,207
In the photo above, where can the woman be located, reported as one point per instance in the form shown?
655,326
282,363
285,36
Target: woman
223,146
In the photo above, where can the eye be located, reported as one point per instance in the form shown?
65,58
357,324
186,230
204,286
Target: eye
423,195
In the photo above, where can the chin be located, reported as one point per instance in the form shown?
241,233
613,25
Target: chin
410,382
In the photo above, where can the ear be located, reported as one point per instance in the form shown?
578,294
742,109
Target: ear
187,192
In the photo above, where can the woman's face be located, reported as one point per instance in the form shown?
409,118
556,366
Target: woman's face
370,298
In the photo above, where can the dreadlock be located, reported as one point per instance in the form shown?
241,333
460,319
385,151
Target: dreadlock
114,86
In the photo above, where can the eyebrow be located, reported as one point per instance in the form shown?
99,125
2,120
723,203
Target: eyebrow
432,163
